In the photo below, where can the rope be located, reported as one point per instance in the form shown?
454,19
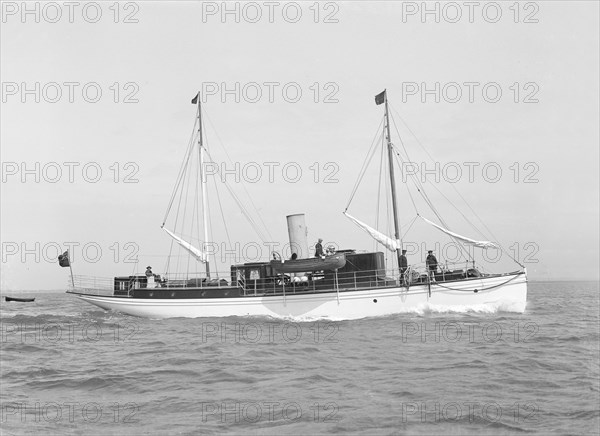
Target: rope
421,189
365,164
196,213
220,142
212,238
241,205
222,214
195,210
185,205
379,196
409,193
177,214
182,169
493,237
411,224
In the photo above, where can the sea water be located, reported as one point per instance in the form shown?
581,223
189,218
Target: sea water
68,367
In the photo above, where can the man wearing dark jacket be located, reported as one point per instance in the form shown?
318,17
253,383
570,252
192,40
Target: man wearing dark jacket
319,248
431,264
403,265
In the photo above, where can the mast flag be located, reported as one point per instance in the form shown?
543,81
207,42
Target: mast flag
195,99
63,259
380,98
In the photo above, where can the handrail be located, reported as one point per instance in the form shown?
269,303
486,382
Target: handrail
276,284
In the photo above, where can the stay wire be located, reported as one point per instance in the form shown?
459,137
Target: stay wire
243,209
421,190
453,187
419,186
265,227
379,193
184,163
365,164
493,236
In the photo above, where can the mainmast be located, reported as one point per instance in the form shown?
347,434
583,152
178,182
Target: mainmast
203,182
378,100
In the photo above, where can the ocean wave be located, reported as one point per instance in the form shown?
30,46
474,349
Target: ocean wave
498,307
114,382
363,378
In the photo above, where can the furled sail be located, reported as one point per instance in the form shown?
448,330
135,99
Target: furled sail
197,253
389,243
481,244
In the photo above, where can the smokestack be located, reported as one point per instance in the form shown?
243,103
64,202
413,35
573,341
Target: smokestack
298,234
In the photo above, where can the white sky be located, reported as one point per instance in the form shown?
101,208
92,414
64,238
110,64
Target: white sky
173,49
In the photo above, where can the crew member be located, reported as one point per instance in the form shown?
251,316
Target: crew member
150,283
431,263
319,248
403,265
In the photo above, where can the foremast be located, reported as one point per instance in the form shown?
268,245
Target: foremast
203,182
378,100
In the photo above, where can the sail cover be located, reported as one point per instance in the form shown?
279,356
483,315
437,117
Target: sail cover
389,243
480,244
197,253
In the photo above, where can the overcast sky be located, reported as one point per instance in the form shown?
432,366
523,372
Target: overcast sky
497,86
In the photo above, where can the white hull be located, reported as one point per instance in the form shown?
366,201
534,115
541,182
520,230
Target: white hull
506,292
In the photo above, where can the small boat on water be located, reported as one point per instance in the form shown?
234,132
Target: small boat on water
20,300
345,284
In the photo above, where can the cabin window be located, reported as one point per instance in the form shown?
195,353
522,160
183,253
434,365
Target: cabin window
254,274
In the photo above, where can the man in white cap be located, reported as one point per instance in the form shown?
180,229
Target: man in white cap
150,278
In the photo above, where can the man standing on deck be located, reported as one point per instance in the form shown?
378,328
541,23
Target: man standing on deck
403,266
431,264
150,278
319,248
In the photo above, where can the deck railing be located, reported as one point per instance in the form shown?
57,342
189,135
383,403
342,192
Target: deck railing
318,281
91,285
